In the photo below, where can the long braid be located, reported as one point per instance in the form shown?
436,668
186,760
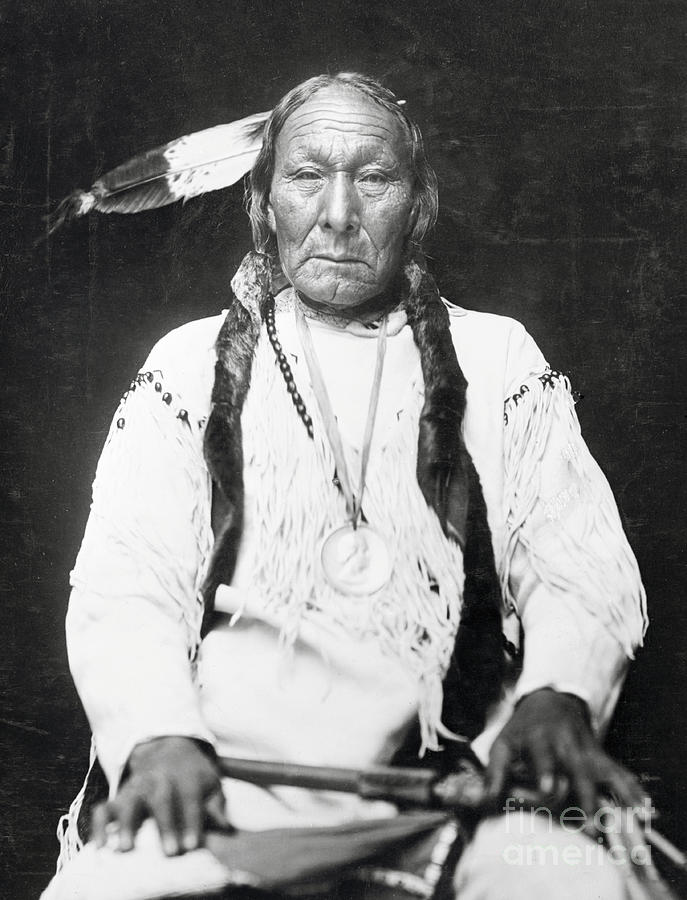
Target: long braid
449,482
223,443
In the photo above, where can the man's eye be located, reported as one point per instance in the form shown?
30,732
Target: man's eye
307,175
375,179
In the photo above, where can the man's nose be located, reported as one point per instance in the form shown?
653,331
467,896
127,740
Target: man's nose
340,206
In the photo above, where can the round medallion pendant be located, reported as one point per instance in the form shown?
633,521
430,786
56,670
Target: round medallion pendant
356,561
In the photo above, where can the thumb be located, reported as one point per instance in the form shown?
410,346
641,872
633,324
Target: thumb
497,770
216,811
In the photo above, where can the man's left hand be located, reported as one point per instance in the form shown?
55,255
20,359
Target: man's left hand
550,737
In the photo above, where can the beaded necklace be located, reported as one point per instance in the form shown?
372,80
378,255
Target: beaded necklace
285,369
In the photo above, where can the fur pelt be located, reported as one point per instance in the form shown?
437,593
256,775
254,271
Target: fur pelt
223,444
450,484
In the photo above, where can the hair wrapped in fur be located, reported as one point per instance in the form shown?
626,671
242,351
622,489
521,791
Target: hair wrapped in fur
445,472
450,484
223,444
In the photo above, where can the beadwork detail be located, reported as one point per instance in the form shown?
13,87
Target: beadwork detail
285,369
141,380
549,379
144,379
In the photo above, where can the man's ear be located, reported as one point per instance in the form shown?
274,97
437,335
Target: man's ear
271,221
412,217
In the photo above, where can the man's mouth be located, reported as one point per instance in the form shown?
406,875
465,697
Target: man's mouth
339,258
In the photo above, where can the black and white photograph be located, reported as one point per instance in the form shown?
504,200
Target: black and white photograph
343,476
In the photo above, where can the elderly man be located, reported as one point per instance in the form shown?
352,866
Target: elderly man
312,518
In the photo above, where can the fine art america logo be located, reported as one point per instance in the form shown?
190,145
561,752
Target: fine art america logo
573,838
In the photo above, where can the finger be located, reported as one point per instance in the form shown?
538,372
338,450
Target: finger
216,811
129,809
497,770
632,835
543,763
627,790
100,819
561,789
191,819
584,785
164,813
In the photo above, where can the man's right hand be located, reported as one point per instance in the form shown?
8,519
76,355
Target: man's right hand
171,780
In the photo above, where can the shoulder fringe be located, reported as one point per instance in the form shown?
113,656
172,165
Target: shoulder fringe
560,511
68,825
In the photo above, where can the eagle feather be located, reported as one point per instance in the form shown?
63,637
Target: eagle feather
207,160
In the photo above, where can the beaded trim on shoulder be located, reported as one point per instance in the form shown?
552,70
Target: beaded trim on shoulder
548,379
155,378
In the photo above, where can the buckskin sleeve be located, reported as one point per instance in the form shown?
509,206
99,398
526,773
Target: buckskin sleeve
134,612
567,568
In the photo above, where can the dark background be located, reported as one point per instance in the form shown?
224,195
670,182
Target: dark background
558,133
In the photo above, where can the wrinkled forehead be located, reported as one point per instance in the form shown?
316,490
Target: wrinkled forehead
344,115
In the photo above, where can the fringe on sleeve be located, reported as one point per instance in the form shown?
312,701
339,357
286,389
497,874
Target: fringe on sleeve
562,523
68,837
149,532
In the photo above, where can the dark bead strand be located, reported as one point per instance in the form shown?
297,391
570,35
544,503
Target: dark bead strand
286,371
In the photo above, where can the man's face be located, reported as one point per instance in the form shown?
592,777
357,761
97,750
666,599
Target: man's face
341,197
